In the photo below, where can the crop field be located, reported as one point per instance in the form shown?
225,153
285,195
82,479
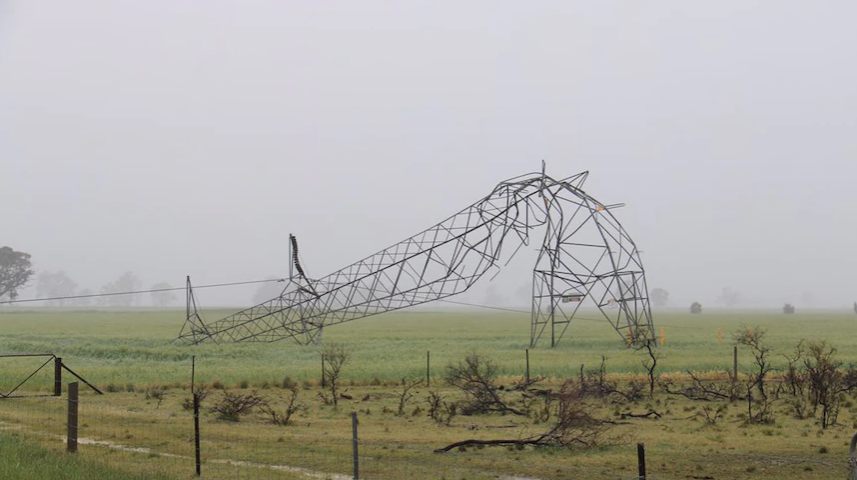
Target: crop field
132,355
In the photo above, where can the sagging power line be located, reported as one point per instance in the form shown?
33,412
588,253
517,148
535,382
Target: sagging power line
138,292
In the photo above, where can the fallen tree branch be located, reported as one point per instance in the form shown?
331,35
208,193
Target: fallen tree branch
466,443
574,425
649,414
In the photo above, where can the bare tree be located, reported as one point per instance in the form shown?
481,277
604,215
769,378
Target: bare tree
405,395
753,338
334,356
650,361
796,381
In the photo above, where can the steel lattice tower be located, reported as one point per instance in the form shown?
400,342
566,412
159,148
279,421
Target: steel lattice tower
586,257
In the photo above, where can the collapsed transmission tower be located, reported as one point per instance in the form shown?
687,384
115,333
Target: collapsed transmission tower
586,257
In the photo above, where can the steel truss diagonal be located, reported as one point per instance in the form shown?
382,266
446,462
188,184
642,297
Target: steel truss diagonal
586,259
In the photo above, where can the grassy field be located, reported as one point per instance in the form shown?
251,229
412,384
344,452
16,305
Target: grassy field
128,352
23,460
139,346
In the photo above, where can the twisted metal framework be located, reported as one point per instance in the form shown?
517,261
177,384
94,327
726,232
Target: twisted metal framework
586,258
194,328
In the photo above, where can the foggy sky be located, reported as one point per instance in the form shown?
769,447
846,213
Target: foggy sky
190,138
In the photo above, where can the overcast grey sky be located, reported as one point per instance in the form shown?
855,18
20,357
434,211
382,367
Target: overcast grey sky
174,138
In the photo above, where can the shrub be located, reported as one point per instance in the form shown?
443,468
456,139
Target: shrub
156,393
232,405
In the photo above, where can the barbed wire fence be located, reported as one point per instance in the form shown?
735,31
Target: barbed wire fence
152,431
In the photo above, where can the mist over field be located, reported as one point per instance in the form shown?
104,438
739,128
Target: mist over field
191,138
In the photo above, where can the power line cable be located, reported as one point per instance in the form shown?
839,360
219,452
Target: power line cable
137,292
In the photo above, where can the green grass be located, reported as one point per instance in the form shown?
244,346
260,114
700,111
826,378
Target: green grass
25,460
116,350
138,347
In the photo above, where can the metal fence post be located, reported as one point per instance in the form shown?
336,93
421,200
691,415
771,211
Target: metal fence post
428,368
641,461
72,417
196,432
354,442
57,376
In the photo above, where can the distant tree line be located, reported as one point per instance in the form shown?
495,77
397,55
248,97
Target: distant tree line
17,272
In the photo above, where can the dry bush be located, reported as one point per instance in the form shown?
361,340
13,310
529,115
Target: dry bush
703,390
201,392
232,405
476,377
283,418
754,339
596,384
156,393
440,410
711,415
405,395
335,356
827,381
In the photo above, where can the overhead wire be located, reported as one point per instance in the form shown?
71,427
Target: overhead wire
137,292
251,282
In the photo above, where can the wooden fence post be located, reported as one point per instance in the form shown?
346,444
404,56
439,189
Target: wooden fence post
57,376
72,417
528,365
735,363
322,372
